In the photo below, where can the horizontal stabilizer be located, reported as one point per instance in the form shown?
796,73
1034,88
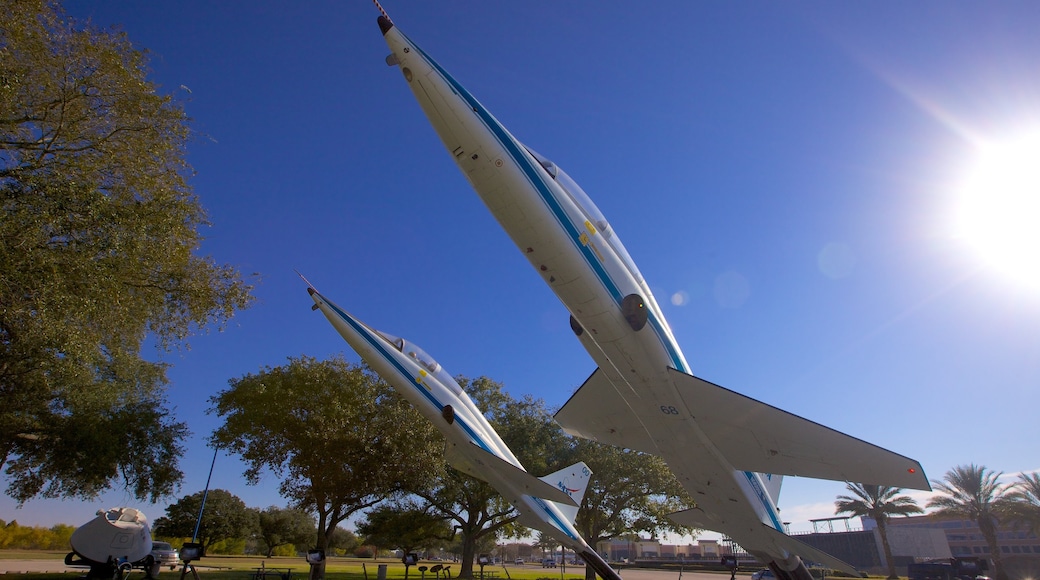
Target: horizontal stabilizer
596,411
754,436
486,466
807,552
573,480
766,539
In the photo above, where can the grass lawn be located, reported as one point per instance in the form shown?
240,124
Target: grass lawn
33,554
244,568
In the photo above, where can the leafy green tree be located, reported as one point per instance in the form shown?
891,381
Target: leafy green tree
972,493
226,517
343,541
340,438
628,492
98,245
474,507
16,537
1023,499
282,526
405,526
880,503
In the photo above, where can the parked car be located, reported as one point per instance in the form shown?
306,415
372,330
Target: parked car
763,574
165,554
548,563
519,562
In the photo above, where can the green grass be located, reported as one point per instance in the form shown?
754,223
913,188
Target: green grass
243,568
395,569
33,554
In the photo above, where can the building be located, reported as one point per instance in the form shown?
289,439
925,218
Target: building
628,550
862,546
1019,549
621,550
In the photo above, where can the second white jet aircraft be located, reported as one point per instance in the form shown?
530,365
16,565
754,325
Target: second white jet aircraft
726,449
548,504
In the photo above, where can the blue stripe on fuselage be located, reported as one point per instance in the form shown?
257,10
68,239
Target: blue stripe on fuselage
559,524
381,346
536,176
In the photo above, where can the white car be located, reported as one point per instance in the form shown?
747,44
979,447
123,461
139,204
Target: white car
763,574
165,554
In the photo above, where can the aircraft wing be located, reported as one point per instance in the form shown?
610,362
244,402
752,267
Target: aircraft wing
696,518
473,460
754,436
596,411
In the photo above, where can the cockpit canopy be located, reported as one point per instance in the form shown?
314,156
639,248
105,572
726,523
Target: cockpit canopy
425,360
592,213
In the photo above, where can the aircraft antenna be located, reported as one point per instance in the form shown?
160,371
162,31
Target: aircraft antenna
385,15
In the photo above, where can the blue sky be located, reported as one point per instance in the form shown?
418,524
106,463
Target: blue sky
786,176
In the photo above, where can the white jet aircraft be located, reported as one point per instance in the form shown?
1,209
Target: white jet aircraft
727,450
548,504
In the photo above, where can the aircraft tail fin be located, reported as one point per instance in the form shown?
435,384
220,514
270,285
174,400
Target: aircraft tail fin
573,480
773,482
473,460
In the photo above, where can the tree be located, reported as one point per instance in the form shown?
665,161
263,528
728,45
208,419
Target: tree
281,526
343,541
546,543
404,526
16,537
339,437
878,502
97,252
1023,502
628,492
226,517
475,507
972,493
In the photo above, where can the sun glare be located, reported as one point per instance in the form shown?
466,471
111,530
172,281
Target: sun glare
999,213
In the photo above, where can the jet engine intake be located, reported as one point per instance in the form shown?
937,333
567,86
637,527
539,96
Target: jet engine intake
634,309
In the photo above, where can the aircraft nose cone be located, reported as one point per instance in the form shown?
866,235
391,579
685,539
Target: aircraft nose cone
384,24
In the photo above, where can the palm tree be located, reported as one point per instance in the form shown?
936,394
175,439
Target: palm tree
972,493
1023,499
546,543
878,502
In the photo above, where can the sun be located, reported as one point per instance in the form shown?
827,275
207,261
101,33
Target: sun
999,211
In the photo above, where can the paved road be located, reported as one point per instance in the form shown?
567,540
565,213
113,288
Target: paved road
646,574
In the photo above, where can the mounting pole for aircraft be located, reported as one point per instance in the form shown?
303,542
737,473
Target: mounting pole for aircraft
205,493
